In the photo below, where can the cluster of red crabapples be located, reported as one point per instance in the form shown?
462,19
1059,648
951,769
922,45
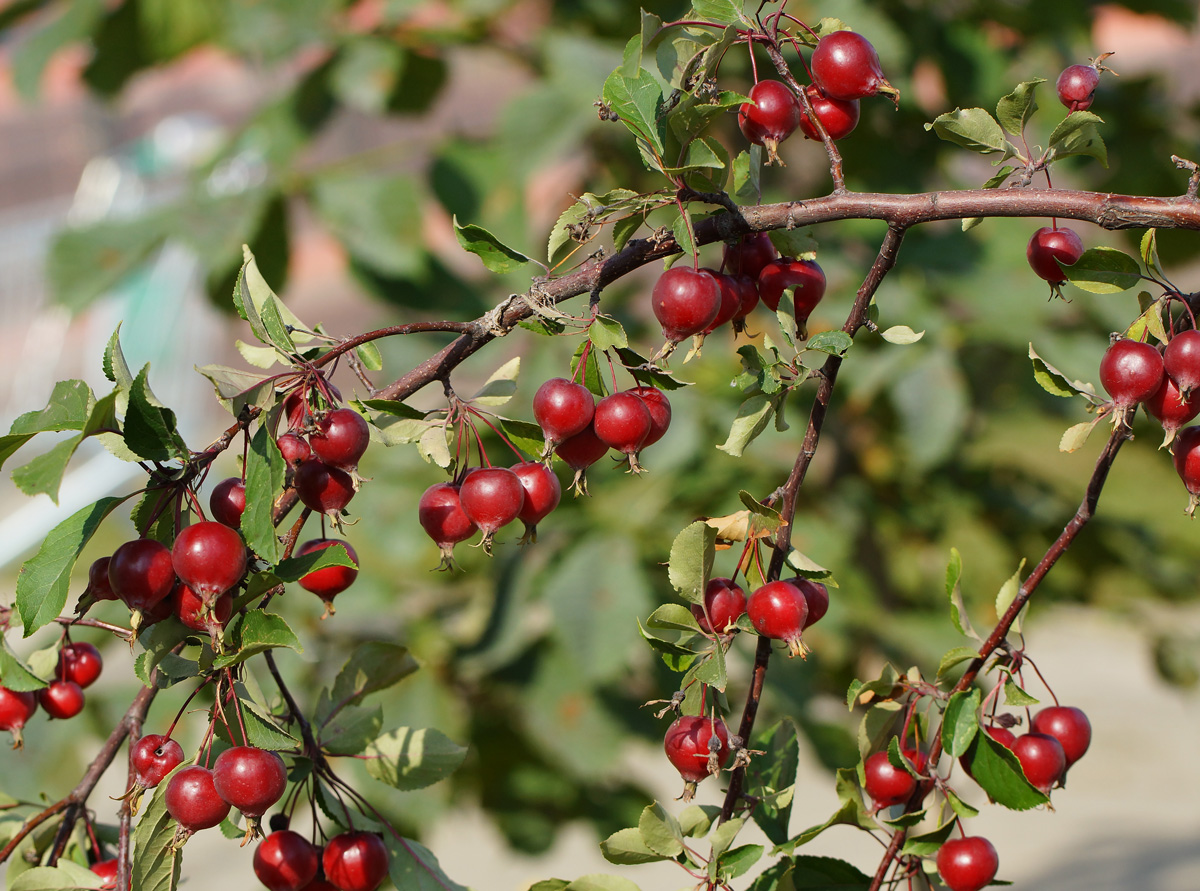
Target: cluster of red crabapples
79,666
699,746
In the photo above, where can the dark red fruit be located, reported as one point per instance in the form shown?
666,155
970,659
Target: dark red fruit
331,581
140,573
208,616
341,438
846,66
249,778
749,255
771,117
685,301
1042,758
731,300
107,871
747,289
286,861
227,502
724,603
967,864
192,799
153,757
542,494
1069,726
294,448
1077,86
441,516
296,407
319,884
209,558
1186,455
580,452
623,421
491,497
98,587
562,409
323,488
80,662
887,785
690,749
660,412
805,275
355,861
1048,247
1181,361
1131,372
62,699
779,610
1169,408
839,117
816,596
15,710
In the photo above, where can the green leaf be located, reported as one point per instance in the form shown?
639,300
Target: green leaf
366,72
1014,695
877,727
958,611
972,128
260,728
683,230
157,641
901,334
712,670
1150,320
674,617
691,560
373,666
606,333
799,244
1055,382
723,836
723,12
295,568
1015,109
863,693
70,404
14,674
752,418
155,866
45,579
738,861
601,882
413,867
626,848
368,353
1104,270
959,806
696,820
954,657
826,874
501,386
999,773
237,388
645,373
927,845
1008,593
638,101
775,779
150,430
413,759
352,730
1075,436
851,812
496,256
43,474
836,343
660,831
257,632
747,171
67,876
960,722
1073,132
265,470
258,305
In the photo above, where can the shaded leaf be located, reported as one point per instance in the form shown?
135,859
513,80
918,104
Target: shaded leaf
413,759
496,256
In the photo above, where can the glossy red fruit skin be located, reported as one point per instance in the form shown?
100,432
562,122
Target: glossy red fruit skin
294,448
685,301
806,275
779,610
331,581
1048,247
846,66
209,558
296,407
747,288
153,757
839,117
15,710
141,574
622,421
887,785
816,596
725,602
1076,86
355,861
543,491
1067,724
107,870
492,497
192,610
227,502
582,450
61,699
1186,456
1131,372
98,586
686,744
341,438
323,488
249,778
660,412
1168,406
773,115
286,861
562,408
749,254
192,799
80,662
731,300
441,516
1042,758
1181,360
967,864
